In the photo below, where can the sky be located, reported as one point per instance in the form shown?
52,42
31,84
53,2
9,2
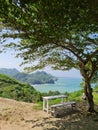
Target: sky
8,60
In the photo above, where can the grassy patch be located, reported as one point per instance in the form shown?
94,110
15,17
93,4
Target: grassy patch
38,106
74,96
95,98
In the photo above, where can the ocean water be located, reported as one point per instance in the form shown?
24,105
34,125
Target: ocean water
64,84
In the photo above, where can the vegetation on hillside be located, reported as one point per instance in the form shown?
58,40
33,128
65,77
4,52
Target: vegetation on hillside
11,88
36,78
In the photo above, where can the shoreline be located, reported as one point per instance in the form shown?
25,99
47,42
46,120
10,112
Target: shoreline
62,85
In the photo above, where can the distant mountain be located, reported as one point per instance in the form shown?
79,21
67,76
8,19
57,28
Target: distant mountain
39,77
10,72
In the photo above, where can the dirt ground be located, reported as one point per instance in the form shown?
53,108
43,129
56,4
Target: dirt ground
16,115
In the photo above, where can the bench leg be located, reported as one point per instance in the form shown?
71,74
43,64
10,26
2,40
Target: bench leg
53,111
73,106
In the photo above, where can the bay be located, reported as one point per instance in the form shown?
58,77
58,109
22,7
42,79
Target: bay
63,84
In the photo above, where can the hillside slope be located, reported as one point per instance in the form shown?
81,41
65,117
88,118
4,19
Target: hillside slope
39,77
16,115
13,89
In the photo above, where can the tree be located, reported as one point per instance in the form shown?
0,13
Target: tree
60,33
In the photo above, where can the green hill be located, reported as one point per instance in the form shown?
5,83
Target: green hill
36,78
39,77
11,88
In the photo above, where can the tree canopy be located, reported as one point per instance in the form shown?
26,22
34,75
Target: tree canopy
49,28
62,33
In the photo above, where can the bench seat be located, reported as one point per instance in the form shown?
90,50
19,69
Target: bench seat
72,104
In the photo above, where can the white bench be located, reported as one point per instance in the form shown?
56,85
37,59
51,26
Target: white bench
46,105
64,105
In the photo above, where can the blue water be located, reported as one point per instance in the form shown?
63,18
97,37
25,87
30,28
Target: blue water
62,85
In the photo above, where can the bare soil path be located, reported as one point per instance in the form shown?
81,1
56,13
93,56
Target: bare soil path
16,115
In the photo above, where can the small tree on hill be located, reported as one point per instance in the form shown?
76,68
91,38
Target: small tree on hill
60,33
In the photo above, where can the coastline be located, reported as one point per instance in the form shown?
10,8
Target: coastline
63,84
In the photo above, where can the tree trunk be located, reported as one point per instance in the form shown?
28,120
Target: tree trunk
88,92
